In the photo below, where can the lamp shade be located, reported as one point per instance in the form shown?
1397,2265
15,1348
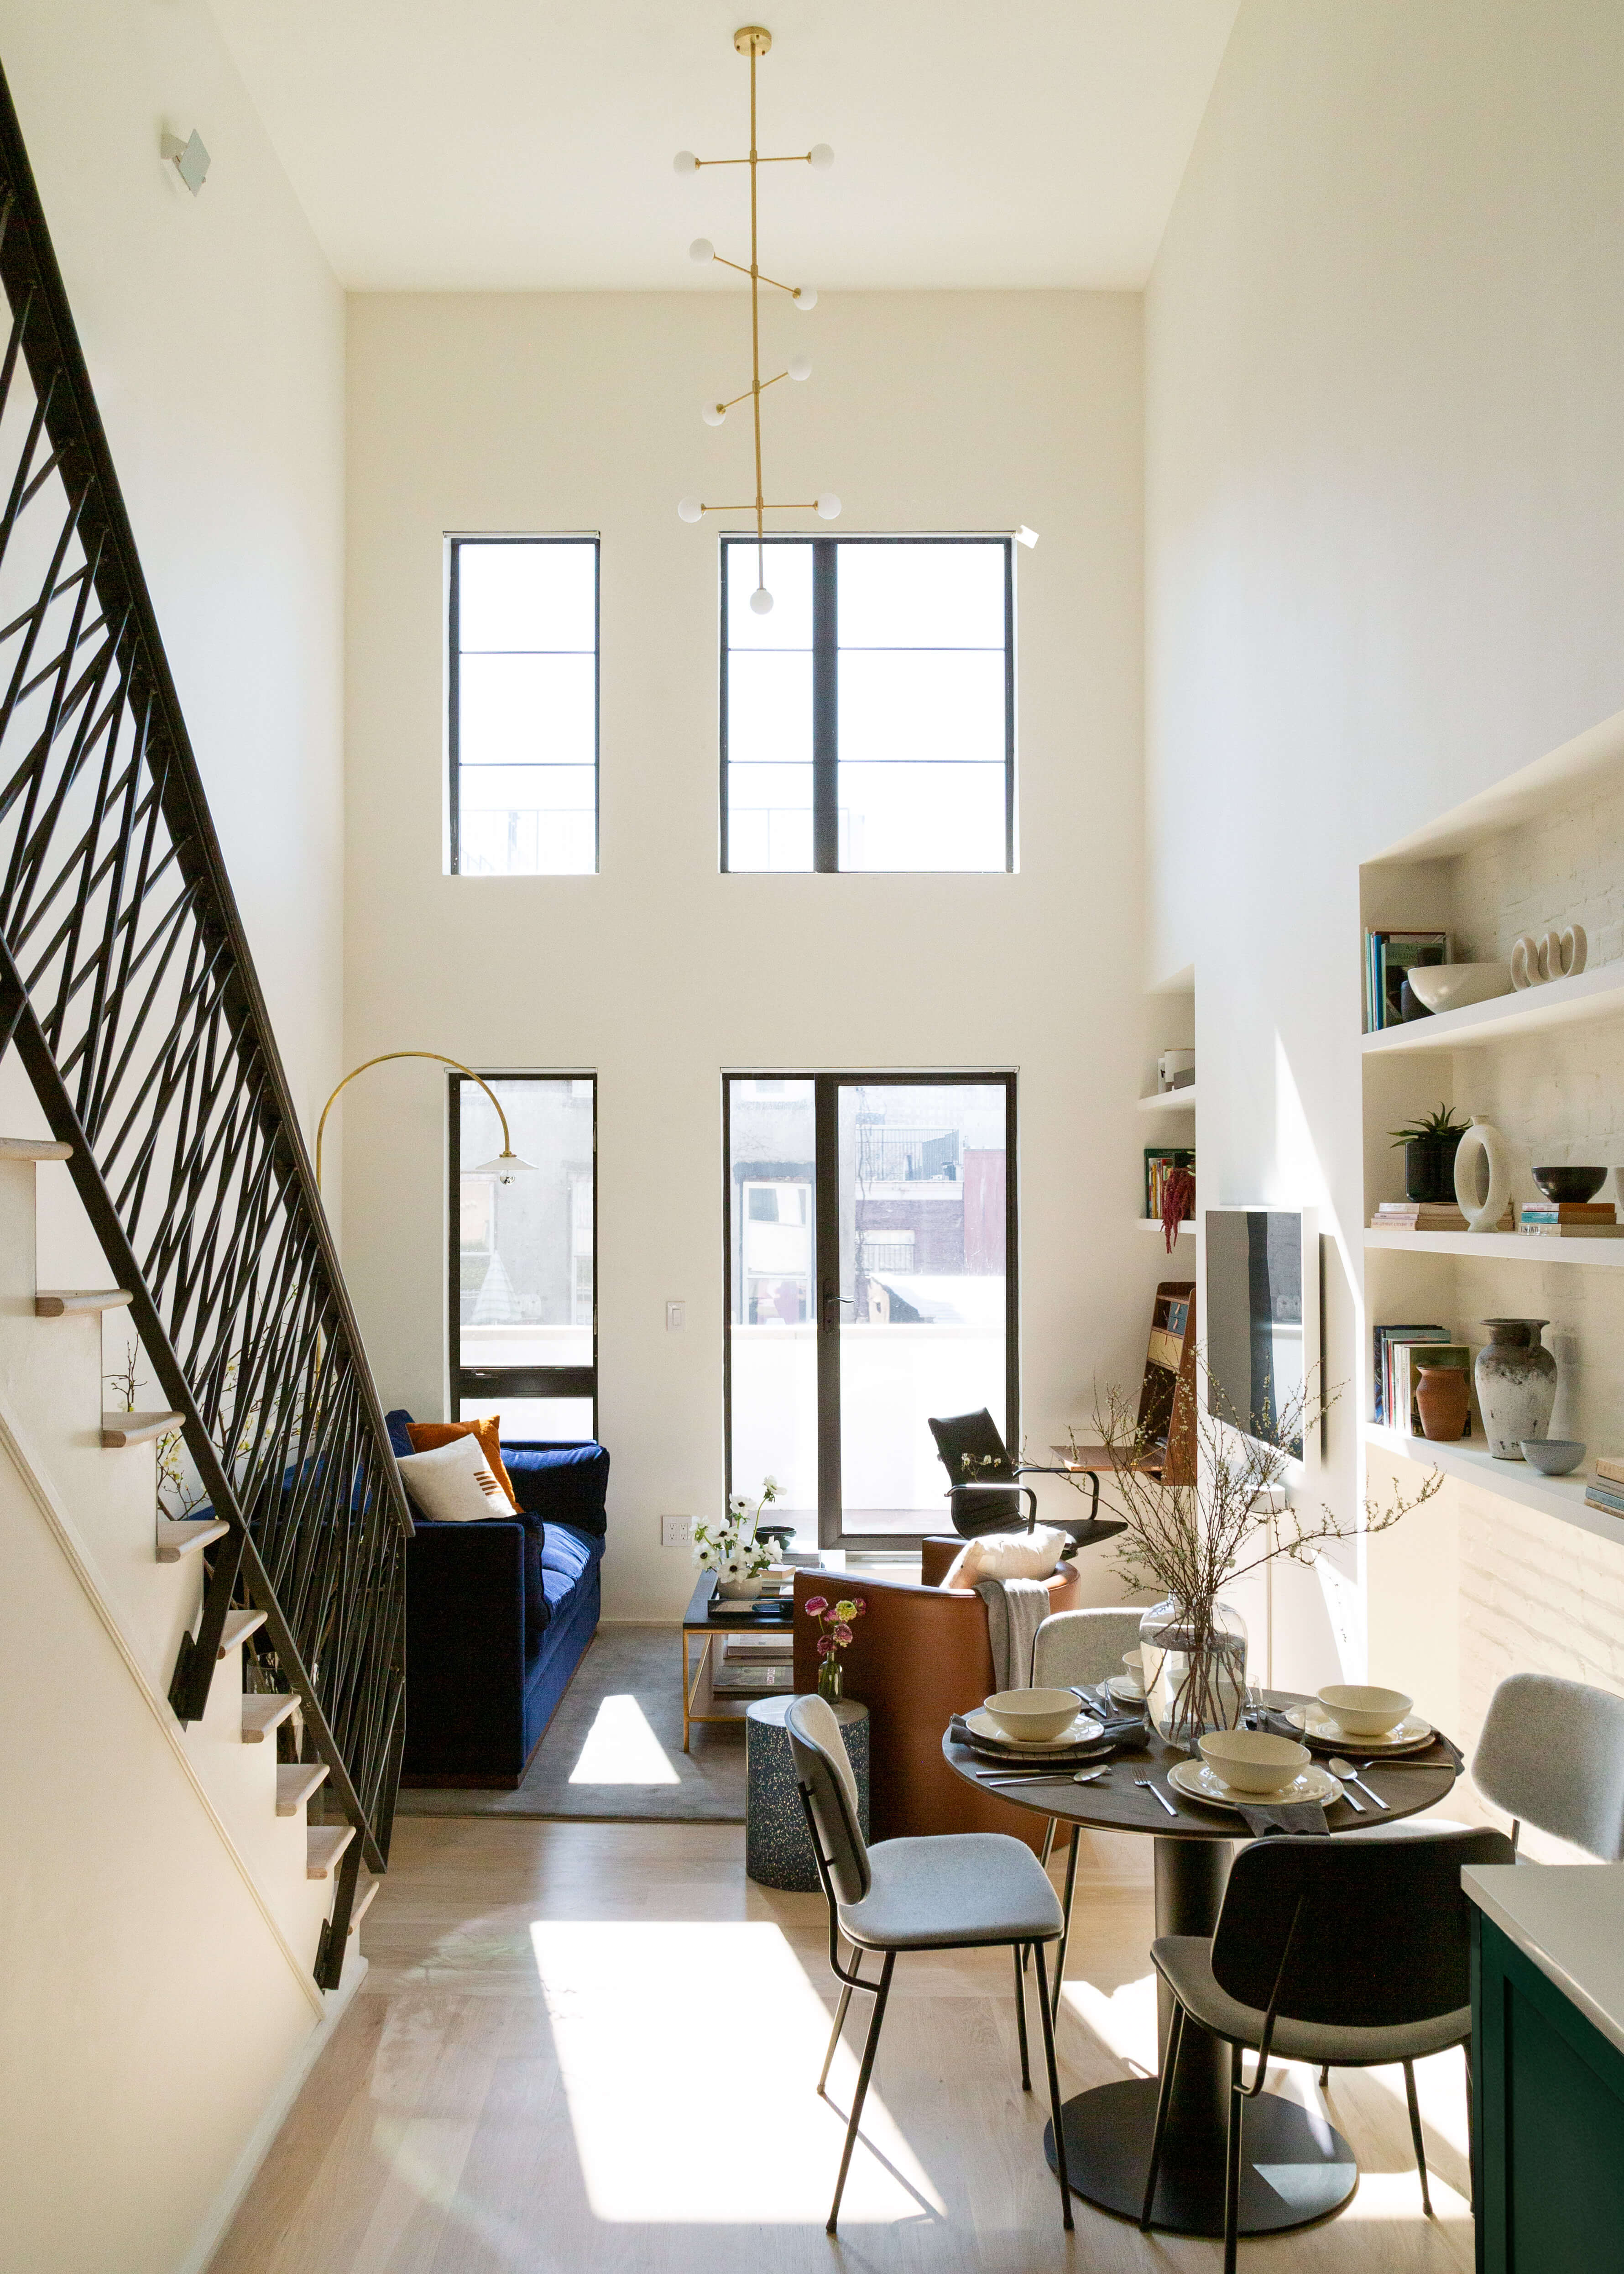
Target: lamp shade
505,1168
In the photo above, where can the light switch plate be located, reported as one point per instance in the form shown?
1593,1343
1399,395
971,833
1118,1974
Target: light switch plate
676,1318
676,1532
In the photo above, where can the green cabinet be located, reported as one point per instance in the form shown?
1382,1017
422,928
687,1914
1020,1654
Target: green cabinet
1548,2149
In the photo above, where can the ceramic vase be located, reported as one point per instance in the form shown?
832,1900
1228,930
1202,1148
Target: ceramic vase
1194,1669
1429,1167
1482,1142
1444,1398
1517,1384
743,1591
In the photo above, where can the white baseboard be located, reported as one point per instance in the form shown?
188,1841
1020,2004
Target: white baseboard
209,2236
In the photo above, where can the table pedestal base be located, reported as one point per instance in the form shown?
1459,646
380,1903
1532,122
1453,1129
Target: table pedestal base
1295,2167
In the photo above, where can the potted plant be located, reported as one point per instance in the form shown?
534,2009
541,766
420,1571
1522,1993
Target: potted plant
731,1548
1431,1144
1187,1541
835,1620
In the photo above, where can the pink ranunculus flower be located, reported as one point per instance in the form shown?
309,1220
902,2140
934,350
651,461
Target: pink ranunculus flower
843,1635
814,1606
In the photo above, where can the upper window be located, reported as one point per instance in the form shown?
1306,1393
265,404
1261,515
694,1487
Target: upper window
523,713
869,718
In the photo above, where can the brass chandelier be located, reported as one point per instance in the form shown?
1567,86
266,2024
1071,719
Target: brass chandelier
752,41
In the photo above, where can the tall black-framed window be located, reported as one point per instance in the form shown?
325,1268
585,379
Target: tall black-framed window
522,679
868,718
870,1253
523,1255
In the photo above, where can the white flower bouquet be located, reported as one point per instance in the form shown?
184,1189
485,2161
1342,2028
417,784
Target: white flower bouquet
731,1548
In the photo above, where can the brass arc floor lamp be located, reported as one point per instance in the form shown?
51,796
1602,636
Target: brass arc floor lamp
504,1168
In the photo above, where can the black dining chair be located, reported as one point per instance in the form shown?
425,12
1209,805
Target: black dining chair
1354,1952
950,1891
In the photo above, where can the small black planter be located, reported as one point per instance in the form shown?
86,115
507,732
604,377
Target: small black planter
1429,1167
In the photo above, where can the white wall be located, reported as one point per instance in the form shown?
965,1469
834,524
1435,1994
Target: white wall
1385,338
214,333
926,411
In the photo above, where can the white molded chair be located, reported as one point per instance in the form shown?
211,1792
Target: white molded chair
1551,1754
1074,1648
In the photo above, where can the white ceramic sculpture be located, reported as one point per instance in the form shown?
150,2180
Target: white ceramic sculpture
1482,1139
1560,954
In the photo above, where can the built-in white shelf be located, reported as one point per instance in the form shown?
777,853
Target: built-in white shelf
1187,1231
1170,1101
1473,1464
1603,1253
1597,994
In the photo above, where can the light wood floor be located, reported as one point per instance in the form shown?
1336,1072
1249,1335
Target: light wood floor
594,2045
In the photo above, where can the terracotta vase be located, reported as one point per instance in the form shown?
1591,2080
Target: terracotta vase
1445,1401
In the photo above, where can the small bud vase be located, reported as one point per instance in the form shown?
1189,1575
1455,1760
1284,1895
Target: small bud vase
829,1678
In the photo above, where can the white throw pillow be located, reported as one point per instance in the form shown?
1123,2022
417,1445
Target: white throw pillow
453,1484
1008,1555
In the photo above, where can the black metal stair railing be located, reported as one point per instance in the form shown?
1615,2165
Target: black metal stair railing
127,987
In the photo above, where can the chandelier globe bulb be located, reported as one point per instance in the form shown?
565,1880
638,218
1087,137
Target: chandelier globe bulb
702,251
828,506
685,163
689,510
820,157
761,601
801,367
806,297
714,413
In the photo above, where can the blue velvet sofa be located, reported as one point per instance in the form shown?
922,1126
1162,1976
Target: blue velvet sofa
498,1615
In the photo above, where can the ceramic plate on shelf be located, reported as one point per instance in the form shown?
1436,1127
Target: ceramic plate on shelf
1197,1781
1412,1734
1083,1731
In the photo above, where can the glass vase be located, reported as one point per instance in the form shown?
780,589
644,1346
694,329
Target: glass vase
829,1678
1195,1668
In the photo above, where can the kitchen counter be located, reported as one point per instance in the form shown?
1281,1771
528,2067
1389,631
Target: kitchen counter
1568,1919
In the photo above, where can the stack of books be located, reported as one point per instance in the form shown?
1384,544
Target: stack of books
755,1665
1401,1352
1606,1488
1160,1162
1543,1219
1424,1216
1388,955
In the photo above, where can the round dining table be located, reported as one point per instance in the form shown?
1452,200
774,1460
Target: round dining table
1296,2166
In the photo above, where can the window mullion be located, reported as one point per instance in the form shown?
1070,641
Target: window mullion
826,706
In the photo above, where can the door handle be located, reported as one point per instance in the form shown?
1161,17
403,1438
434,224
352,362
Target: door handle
833,1300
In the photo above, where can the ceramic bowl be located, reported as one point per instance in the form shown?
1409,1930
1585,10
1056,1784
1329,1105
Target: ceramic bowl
1033,1715
1570,1184
1553,1456
1363,1712
1252,1761
1451,986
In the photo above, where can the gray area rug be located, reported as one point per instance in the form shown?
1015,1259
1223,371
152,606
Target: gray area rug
614,1748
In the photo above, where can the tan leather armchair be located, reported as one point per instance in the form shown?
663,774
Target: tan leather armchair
917,1656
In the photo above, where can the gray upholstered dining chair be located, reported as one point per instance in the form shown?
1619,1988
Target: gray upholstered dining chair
947,1891
1355,1953
1074,1648
1551,1754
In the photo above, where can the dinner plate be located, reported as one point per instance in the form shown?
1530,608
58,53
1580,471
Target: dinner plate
1083,1731
1125,1691
1412,1734
1197,1781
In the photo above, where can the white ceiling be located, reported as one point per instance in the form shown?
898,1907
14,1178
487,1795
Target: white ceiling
526,144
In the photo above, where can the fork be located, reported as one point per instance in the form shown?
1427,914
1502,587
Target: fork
1151,1787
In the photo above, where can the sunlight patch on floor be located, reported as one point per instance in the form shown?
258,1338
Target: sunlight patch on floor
621,1748
1396,2195
1123,2021
1441,2088
689,2053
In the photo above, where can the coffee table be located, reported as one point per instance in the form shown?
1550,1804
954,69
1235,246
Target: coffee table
702,1624
1297,2167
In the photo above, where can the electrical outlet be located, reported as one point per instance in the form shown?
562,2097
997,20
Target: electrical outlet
676,1532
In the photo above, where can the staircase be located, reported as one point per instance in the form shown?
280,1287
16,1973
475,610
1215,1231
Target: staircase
95,1478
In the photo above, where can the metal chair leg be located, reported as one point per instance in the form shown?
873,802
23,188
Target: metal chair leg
1164,2101
880,1994
1044,1852
1232,2163
1020,1950
1065,1932
1414,2133
834,2036
1054,2090
1324,2076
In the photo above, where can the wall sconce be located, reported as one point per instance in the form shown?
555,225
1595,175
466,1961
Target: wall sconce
189,159
1025,536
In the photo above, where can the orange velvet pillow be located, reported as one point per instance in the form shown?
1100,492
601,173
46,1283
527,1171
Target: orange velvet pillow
425,1435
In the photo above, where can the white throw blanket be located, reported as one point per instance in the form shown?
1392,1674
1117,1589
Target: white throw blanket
1016,1608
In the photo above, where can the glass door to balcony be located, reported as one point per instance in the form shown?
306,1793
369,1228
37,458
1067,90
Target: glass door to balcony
870,1262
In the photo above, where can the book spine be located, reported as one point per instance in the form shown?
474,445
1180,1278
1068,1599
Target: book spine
1613,1502
1611,1470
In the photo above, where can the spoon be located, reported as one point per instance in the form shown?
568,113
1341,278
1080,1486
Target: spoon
1341,1768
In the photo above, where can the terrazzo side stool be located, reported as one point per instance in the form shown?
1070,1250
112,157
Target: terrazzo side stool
778,1849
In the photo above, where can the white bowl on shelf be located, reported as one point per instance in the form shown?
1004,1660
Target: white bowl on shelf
1451,986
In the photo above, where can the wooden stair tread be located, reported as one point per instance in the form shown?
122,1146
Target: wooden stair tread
238,1626
366,1889
58,1302
177,1539
296,1782
263,1712
121,1429
324,1844
33,1148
